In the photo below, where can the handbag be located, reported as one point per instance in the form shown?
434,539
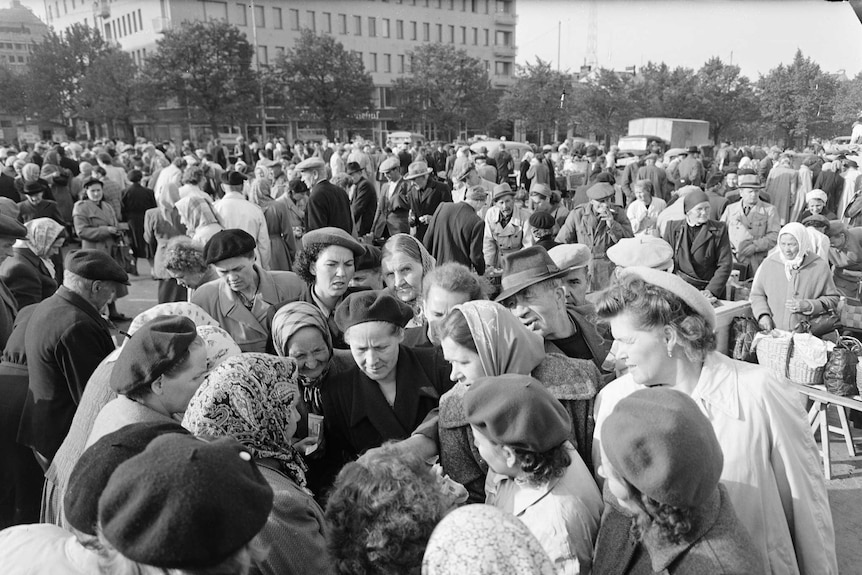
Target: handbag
743,330
819,325
121,252
840,373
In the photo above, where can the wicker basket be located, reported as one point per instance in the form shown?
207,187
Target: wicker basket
776,354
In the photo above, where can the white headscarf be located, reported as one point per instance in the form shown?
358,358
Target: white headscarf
799,232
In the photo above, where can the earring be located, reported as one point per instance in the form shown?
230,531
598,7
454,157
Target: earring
669,352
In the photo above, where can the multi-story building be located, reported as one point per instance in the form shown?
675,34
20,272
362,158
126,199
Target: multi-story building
381,32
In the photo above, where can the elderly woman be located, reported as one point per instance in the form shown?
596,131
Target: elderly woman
442,289
845,255
482,338
390,390
184,261
278,223
666,332
405,262
816,204
326,264
792,284
381,513
199,218
252,398
29,273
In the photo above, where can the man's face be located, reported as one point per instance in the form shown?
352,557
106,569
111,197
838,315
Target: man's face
438,303
576,283
749,196
506,204
601,206
420,182
642,194
371,278
308,177
6,244
393,175
34,199
538,308
837,241
238,272
731,180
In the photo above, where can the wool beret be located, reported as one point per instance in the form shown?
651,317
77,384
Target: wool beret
353,167
234,178
96,465
370,260
333,237
542,220
389,164
313,163
541,189
570,256
228,244
156,347
659,441
643,250
185,503
11,228
678,287
816,220
518,411
693,199
365,306
600,191
95,265
35,187
502,190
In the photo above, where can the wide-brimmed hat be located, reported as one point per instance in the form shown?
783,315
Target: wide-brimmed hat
417,170
527,267
353,167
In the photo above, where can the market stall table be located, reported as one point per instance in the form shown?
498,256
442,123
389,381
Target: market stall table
817,418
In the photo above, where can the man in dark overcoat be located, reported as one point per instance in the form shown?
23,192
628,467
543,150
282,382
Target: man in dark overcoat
363,204
328,205
424,196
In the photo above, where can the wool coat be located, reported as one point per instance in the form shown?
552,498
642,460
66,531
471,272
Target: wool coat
707,263
760,227
393,209
424,202
328,205
27,277
455,234
92,220
584,226
234,211
363,206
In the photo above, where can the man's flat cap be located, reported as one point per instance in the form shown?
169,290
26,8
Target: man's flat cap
96,265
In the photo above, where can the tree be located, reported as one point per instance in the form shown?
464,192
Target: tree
447,88
206,66
848,104
13,86
725,98
604,104
324,80
665,93
535,98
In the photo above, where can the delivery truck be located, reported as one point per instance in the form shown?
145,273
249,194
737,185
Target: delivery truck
674,133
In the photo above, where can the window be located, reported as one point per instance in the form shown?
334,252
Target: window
426,32
372,64
342,23
311,19
487,36
463,34
240,15
294,19
487,2
385,31
279,52
125,26
327,22
488,67
401,63
463,5
386,96
259,17
451,34
357,25
413,32
372,26
263,55
276,19
451,4
475,36
439,32
503,68
387,63
399,29
141,19
503,38
504,6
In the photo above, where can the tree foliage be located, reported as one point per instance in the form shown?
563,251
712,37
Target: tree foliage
207,66
13,97
664,93
446,87
603,104
848,101
725,98
535,97
324,80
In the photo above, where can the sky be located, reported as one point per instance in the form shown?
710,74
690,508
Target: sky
756,34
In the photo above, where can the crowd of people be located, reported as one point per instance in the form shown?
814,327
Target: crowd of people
427,359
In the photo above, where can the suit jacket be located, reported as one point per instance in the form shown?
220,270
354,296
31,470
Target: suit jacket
455,234
27,277
363,206
424,203
709,261
392,213
65,342
357,416
328,205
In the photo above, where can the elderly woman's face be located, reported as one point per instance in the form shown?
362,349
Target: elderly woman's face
333,271
187,279
788,246
437,305
310,351
815,206
466,365
237,272
403,275
375,348
643,350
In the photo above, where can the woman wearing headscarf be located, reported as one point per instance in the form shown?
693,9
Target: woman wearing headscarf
793,284
405,262
29,272
482,338
483,540
160,225
277,216
199,218
815,203
32,173
252,398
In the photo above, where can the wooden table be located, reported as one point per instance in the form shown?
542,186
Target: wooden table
724,315
817,418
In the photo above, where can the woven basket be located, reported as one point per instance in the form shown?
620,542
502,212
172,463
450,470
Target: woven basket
859,376
776,354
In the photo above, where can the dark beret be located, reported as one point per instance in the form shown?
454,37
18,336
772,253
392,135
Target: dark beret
370,260
10,227
228,244
156,347
93,181
659,441
35,187
518,411
96,265
331,236
185,503
816,219
96,465
365,306
234,178
542,220
694,198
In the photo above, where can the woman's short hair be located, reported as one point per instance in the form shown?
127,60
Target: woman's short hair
136,176
184,255
456,328
305,260
343,181
381,512
455,278
656,307
540,468
660,520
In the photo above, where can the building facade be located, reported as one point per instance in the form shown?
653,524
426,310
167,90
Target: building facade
381,32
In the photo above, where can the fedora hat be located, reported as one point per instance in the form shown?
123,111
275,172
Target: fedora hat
527,267
417,170
502,190
749,181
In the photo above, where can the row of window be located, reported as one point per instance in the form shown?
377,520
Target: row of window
16,46
121,27
13,59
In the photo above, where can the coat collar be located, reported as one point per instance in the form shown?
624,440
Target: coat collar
528,495
718,385
36,261
230,305
74,299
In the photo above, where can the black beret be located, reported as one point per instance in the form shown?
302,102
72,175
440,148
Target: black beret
96,265
365,306
542,220
333,237
518,411
234,178
93,181
10,227
98,463
156,347
185,503
228,244
35,187
370,260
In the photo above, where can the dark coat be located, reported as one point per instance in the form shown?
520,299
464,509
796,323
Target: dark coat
455,234
44,209
328,205
27,277
392,213
65,342
136,200
357,416
718,544
707,265
582,317
7,187
363,206
833,184
8,311
424,203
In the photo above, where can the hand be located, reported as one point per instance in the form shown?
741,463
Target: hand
424,219
708,295
765,322
746,251
303,444
799,306
112,230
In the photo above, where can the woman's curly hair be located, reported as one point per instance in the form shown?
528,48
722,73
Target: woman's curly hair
183,255
654,307
381,512
540,468
305,260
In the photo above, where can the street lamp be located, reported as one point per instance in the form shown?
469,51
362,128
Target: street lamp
259,74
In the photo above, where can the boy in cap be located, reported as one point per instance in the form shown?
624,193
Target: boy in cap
521,432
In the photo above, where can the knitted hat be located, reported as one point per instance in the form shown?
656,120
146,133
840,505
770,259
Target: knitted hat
366,306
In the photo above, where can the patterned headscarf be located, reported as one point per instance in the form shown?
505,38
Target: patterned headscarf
798,231
250,397
41,235
287,321
196,212
31,172
185,309
503,343
259,191
483,540
220,345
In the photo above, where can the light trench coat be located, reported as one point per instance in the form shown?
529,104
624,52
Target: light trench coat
771,465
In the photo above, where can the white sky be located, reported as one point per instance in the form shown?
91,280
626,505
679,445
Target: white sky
760,33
